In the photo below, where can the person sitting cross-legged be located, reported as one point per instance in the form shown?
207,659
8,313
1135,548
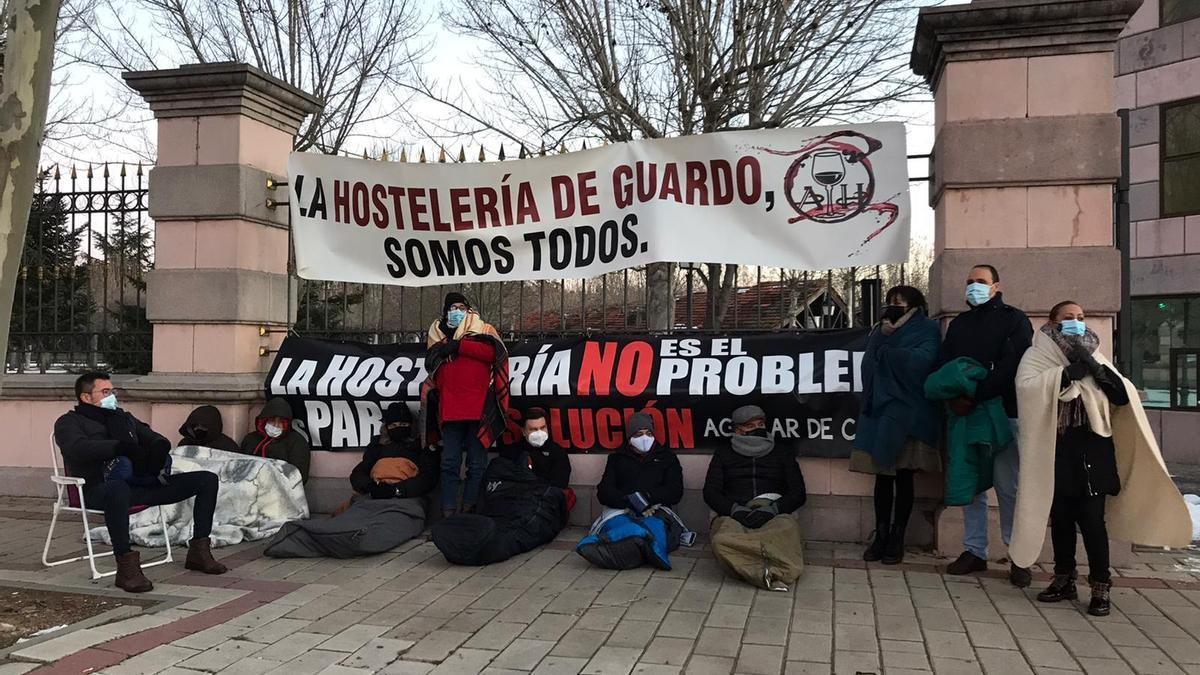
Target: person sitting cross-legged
754,486
125,463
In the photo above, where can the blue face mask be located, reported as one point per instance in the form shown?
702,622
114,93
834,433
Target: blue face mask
109,402
455,317
1072,327
978,293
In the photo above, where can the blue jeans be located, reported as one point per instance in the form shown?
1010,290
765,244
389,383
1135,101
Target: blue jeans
457,438
1005,469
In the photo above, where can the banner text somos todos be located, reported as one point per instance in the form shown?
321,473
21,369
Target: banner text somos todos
805,382
800,198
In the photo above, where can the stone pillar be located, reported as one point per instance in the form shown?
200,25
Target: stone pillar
1026,156
219,290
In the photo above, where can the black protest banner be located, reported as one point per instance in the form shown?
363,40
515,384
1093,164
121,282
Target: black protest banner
806,383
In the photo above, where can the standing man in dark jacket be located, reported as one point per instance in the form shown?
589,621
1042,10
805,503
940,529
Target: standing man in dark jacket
996,335
97,432
754,486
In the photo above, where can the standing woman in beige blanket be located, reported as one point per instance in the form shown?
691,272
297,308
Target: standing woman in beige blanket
1086,454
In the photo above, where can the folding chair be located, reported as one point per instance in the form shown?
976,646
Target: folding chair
70,499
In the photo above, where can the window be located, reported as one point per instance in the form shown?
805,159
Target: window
1174,11
1181,158
1165,330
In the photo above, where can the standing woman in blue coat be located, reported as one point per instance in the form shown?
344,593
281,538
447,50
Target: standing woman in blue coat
898,427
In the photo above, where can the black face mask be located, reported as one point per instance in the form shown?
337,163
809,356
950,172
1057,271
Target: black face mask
198,431
760,433
892,313
400,434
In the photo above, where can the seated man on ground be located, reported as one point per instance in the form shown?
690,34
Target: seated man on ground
274,437
641,483
203,428
391,485
754,487
125,464
524,504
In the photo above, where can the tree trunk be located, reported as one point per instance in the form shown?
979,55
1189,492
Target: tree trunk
24,96
720,293
660,300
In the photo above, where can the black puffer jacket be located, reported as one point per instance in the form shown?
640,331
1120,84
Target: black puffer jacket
736,479
996,335
1085,463
657,474
549,462
89,435
428,466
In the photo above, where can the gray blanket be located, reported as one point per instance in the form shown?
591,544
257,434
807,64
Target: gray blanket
369,526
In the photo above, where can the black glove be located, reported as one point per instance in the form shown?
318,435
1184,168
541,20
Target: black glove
743,516
757,518
386,491
1078,370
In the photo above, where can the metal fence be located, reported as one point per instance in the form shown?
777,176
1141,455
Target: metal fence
80,300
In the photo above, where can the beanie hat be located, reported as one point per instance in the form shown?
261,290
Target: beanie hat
746,413
637,422
397,412
452,298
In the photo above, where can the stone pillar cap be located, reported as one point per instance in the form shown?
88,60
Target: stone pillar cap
1001,29
228,88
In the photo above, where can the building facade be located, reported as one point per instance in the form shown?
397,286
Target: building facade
1157,63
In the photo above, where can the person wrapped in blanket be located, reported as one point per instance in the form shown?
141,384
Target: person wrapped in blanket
754,486
391,487
640,484
464,400
524,504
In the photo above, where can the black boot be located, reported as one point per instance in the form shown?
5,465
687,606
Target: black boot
1100,605
1062,588
893,553
878,543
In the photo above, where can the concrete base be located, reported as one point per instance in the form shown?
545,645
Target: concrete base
949,536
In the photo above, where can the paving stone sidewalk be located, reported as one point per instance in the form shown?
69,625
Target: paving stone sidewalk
549,612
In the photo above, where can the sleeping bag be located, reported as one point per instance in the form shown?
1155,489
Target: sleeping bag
517,512
367,527
620,540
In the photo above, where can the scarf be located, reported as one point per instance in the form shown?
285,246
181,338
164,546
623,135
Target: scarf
1071,414
753,447
888,327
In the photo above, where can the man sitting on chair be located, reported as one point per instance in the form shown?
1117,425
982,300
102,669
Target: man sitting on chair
125,464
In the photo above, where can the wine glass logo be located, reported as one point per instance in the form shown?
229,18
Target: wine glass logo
828,169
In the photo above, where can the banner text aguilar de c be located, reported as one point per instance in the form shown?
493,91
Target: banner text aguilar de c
814,198
806,383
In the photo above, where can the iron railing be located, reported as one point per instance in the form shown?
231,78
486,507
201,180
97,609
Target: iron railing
81,291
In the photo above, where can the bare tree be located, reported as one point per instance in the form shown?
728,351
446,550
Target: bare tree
352,54
24,96
619,71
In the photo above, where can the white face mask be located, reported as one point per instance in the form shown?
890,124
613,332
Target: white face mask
272,430
642,444
538,438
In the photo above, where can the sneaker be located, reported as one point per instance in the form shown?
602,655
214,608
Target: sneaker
967,563
1062,588
1020,577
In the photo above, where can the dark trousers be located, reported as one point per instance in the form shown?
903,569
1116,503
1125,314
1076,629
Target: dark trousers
116,497
459,439
1088,514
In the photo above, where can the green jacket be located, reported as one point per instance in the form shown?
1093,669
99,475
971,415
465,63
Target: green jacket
971,439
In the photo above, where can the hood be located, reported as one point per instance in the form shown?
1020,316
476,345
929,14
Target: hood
206,416
276,407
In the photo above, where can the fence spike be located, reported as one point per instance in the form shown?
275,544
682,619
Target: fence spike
501,156
122,174
422,160
522,154
462,153
583,145
139,171
365,154
562,148
72,172
90,172
403,154
106,169
482,156
441,154
542,152
384,157
57,175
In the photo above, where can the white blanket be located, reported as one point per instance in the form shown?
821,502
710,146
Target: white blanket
1149,510
255,498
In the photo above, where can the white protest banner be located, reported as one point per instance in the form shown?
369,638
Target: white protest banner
812,198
